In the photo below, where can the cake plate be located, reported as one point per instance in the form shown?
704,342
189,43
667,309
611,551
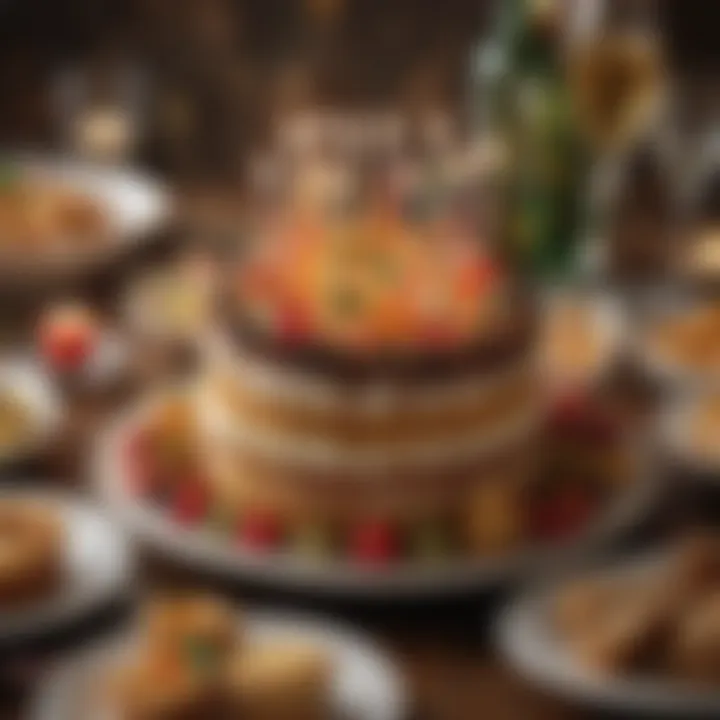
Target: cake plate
201,549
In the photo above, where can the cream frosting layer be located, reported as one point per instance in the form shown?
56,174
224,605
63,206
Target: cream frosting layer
218,424
373,398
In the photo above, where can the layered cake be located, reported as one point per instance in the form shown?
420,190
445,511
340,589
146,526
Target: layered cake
372,387
372,395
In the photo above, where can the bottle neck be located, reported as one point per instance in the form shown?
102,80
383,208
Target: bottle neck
528,29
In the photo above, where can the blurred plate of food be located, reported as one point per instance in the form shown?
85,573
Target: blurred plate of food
61,560
641,637
679,341
583,335
196,656
701,260
30,411
171,303
594,486
59,216
690,427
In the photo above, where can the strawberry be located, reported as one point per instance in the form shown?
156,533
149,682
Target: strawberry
293,324
475,277
67,336
261,530
140,467
374,543
563,515
191,503
575,415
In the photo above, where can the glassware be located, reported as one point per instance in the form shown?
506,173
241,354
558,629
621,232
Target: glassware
100,110
616,72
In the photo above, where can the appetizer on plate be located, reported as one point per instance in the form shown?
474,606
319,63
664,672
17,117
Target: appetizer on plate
173,303
703,257
32,549
581,337
39,215
687,341
663,620
193,660
29,408
15,420
697,428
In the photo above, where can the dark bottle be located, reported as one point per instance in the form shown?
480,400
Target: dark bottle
528,107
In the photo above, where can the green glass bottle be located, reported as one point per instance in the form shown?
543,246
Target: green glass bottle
530,109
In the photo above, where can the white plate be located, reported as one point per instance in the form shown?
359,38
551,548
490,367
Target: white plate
366,684
24,379
136,205
203,549
529,642
98,568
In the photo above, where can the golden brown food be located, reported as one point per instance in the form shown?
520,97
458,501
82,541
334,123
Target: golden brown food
279,681
690,339
193,663
665,619
154,689
703,257
572,343
202,632
41,217
31,552
15,421
705,427
694,652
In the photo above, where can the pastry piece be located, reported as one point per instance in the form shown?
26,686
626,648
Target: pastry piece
694,653
579,605
199,633
282,680
628,636
31,552
573,344
156,688
693,571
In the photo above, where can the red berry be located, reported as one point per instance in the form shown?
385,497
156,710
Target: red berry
191,503
374,543
577,416
569,409
67,337
293,324
476,276
563,515
139,466
261,531
439,335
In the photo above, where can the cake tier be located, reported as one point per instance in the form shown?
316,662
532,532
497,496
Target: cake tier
246,478
326,421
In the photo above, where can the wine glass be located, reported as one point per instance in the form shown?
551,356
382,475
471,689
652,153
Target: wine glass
616,71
